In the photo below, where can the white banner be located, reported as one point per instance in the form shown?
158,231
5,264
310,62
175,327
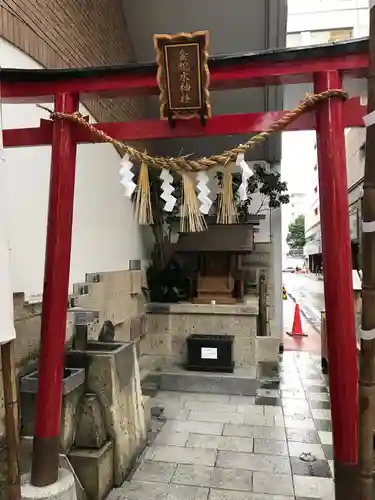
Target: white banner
7,330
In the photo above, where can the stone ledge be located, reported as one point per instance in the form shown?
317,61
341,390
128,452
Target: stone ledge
249,309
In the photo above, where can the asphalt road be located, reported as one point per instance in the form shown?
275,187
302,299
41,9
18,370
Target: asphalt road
308,292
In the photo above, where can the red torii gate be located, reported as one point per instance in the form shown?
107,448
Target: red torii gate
325,66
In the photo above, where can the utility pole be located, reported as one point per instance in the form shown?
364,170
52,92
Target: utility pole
367,356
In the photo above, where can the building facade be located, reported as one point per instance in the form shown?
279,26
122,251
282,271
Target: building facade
319,22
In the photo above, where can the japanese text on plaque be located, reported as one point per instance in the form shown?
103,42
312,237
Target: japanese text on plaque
185,82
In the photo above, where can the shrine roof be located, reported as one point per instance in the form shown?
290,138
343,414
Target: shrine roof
229,238
283,55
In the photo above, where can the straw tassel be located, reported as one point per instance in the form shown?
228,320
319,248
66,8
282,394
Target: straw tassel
191,218
143,211
227,212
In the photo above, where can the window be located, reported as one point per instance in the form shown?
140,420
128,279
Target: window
329,36
316,211
294,40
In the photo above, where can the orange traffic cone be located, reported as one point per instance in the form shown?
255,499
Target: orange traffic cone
297,324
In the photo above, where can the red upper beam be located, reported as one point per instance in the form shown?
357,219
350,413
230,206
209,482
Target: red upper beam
245,124
236,74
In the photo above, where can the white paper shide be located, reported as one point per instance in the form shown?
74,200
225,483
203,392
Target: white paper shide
246,174
127,175
167,190
203,192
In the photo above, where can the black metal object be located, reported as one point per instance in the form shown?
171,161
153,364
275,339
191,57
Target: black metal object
210,353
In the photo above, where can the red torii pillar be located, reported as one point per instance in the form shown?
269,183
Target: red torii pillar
44,470
338,288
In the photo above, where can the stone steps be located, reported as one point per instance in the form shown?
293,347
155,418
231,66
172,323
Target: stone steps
242,382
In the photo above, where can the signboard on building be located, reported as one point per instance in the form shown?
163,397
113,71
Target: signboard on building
183,75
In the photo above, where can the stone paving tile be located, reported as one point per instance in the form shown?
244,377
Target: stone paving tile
290,411
302,435
254,462
320,405
238,495
328,451
208,406
155,491
180,455
297,404
323,425
242,400
154,472
318,468
277,433
293,393
308,382
325,437
298,422
253,409
269,401
280,484
296,449
270,447
176,413
318,397
213,477
321,414
316,389
217,417
201,396
194,427
273,411
315,487
228,443
166,437
259,420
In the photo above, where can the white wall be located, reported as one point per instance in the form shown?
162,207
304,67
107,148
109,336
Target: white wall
105,234
312,15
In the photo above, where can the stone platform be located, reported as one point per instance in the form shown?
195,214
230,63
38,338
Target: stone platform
243,381
168,326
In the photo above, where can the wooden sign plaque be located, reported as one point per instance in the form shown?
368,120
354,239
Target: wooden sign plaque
183,75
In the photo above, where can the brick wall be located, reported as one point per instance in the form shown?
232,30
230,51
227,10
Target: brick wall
67,34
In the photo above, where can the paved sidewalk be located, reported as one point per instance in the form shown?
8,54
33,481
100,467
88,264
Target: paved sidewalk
276,445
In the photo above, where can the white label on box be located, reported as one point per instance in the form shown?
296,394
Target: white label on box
209,353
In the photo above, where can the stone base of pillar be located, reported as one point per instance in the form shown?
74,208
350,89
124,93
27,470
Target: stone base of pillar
63,489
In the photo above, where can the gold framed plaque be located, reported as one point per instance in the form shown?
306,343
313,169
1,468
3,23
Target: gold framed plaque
183,75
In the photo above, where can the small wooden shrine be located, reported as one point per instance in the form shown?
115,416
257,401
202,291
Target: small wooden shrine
218,255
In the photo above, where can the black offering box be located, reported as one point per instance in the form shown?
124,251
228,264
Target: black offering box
210,353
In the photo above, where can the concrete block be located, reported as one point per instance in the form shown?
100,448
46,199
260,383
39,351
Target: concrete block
114,377
62,489
213,383
244,351
267,349
159,343
94,469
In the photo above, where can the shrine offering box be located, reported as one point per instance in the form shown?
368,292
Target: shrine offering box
211,353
